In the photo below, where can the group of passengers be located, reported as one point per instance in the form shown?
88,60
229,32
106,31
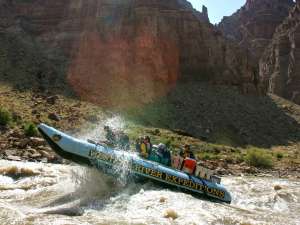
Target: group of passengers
185,160
160,153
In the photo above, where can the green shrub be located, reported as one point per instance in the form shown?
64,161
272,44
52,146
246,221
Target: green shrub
5,117
279,155
259,158
30,130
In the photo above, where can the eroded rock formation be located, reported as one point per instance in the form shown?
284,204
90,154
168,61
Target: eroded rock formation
254,24
279,66
127,51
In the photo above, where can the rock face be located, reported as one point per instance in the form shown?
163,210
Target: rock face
268,29
254,24
126,51
279,66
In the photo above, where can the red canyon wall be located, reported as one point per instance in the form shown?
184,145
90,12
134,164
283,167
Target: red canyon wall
128,51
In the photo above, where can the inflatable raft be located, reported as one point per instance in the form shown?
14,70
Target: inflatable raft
129,164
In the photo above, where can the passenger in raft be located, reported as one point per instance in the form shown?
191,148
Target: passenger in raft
146,147
189,163
186,152
165,155
148,144
123,141
110,136
138,143
176,161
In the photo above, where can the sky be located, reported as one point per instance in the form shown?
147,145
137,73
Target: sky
218,8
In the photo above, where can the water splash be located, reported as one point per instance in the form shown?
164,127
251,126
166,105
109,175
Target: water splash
90,183
122,167
97,132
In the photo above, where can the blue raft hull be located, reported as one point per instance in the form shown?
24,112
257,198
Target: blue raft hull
129,164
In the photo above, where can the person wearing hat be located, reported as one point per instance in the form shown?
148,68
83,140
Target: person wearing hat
186,152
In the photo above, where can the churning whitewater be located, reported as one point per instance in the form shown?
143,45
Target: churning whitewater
37,193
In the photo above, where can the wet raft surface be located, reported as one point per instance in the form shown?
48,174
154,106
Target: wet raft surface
64,194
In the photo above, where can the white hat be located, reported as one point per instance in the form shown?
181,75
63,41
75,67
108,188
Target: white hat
161,146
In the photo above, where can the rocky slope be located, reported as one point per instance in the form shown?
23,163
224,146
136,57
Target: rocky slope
28,107
254,24
279,66
116,52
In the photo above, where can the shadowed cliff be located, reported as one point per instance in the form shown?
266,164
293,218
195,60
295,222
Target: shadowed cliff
224,116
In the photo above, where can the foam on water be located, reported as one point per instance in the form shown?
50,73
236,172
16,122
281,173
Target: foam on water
60,192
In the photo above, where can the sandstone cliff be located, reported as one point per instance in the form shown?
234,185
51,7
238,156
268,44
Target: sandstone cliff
279,66
254,24
116,51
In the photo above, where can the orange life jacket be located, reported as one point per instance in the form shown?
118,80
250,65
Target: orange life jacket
189,165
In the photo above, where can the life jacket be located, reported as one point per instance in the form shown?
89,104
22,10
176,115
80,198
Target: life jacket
189,165
144,152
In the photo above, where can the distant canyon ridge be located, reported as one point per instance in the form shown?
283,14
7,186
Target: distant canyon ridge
269,30
122,52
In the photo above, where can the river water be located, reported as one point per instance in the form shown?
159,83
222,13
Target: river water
37,193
